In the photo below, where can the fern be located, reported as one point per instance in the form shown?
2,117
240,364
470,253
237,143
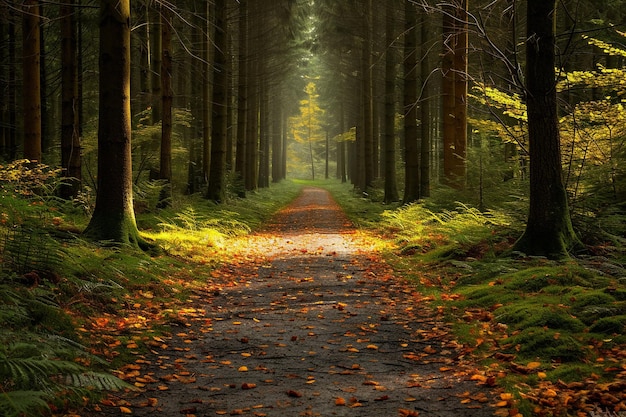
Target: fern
28,249
36,366
23,403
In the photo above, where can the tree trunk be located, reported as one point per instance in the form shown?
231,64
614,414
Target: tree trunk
165,161
277,144
207,105
447,92
391,187
459,174
549,230
32,80
368,100
113,219
411,152
219,123
155,60
70,138
12,93
425,113
242,96
4,85
264,137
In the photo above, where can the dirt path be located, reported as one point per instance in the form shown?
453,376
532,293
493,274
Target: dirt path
314,325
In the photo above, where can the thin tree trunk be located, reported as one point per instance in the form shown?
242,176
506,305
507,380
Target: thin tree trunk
155,61
264,135
425,111
242,96
391,187
277,145
411,173
448,99
165,160
207,105
460,95
12,95
219,123
70,139
32,80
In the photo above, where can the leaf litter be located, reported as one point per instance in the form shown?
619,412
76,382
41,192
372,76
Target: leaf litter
304,319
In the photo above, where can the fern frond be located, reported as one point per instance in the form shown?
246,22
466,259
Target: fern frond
23,403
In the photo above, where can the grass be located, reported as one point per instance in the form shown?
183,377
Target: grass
568,316
73,308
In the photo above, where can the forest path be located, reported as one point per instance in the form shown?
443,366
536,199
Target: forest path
312,323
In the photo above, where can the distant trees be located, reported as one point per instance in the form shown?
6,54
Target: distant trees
408,96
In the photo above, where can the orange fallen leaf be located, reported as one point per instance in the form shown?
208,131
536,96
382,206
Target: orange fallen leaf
126,410
340,401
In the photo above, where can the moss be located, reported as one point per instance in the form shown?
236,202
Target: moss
610,325
538,278
546,344
526,315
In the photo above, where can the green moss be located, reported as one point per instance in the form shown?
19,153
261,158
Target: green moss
569,372
546,344
610,325
538,278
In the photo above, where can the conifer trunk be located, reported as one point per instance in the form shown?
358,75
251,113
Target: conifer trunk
32,80
549,230
70,138
113,218
219,122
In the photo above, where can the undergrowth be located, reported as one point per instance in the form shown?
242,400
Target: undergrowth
529,321
69,307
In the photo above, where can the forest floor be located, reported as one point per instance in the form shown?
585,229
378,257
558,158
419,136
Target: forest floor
305,320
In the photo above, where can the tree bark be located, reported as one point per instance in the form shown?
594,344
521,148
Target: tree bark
219,122
113,219
549,230
391,188
165,160
454,92
70,138
32,80
425,110
242,96
411,152
155,60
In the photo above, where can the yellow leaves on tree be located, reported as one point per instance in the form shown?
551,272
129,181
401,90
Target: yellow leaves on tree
307,129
